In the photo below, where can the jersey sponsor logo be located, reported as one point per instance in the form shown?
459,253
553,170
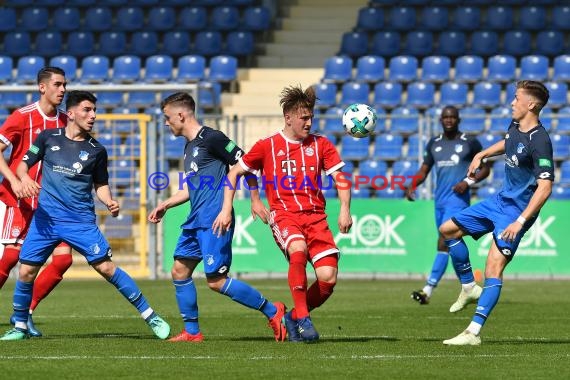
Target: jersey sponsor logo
513,161
309,151
34,149
83,155
458,148
78,167
55,148
230,147
544,162
195,151
288,166
520,148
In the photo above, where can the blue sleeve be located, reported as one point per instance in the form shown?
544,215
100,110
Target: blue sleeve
37,150
221,146
101,174
542,159
428,158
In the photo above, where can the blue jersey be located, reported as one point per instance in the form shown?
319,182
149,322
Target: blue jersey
451,159
70,168
528,157
206,164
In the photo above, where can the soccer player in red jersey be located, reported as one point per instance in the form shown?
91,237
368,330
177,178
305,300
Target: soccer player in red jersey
16,207
291,162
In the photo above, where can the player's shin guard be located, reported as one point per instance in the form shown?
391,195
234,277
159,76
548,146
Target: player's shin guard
318,293
488,299
246,295
21,303
460,258
438,268
297,278
50,277
129,289
187,300
7,262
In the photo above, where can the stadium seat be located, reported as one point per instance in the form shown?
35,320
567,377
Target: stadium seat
28,67
17,44
354,149
498,172
472,120
415,144
240,43
66,19
403,68
354,44
223,68
564,173
111,142
8,19
560,146
133,146
121,226
405,167
209,94
370,19
332,121
560,17
453,93
13,99
387,95
418,43
466,18
501,68
560,192
109,99
126,69
517,43
488,139
112,44
563,120
380,121
405,120
558,92
48,44
34,19
95,69
68,63
499,18
373,167
326,94
354,92
561,68
500,119
193,19
338,69
141,99
191,68
436,68
370,68
82,3
361,191
98,19
547,117
388,147
550,43
451,43
176,44
130,19
208,43
484,43
224,18
469,68
385,44
124,126
161,19
534,67
420,95
532,18
144,44
510,91
256,19
402,19
80,44
158,69
435,18
487,94
6,66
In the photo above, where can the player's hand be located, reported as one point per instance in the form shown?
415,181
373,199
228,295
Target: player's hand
222,223
511,232
475,165
344,221
410,194
113,207
17,188
156,215
258,209
460,187
30,188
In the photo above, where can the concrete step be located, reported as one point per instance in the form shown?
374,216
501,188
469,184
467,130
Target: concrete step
319,12
300,49
305,36
337,24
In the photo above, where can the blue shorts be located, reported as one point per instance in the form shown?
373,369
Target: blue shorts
202,244
44,235
494,215
443,214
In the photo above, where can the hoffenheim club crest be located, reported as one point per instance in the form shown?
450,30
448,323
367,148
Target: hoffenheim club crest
83,155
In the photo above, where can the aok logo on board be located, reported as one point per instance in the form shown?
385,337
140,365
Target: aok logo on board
373,234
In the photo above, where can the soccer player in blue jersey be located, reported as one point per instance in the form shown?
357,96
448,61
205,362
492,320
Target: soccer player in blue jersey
73,164
207,156
451,153
529,173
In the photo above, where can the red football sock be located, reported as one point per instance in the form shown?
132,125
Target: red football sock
297,278
7,262
50,277
318,293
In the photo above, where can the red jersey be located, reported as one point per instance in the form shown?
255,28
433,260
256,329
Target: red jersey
20,130
291,170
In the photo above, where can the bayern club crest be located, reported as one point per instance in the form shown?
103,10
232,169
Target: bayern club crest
309,151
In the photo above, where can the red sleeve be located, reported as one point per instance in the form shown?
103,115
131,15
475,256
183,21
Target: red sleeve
253,160
11,130
331,158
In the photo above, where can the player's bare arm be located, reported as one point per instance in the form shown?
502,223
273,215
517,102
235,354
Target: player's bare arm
462,186
103,192
181,196
493,150
420,176
30,188
344,216
258,208
224,219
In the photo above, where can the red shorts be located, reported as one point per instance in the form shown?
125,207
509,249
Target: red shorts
313,228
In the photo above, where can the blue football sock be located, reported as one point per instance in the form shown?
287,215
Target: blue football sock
22,300
129,289
187,299
438,268
460,258
248,296
488,299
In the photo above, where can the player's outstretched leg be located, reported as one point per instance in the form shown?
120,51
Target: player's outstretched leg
438,269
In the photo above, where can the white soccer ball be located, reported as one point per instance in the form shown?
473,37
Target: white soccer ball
359,120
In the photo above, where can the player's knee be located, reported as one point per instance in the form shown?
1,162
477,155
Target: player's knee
216,283
449,230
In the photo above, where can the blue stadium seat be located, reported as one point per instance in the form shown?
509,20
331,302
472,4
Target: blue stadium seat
484,43
385,44
418,43
176,43
332,121
95,69
510,91
109,99
338,69
124,126
517,43
68,63
403,68
469,68
405,120
560,192
141,99
193,19
354,44
8,19
240,43
561,68
487,191
81,3
209,94
133,146
414,144
380,121
361,192
17,44
498,173
121,172
80,44
66,19
453,93
372,168
563,120
161,19
111,142
223,68
402,19
550,43
112,44
534,67
370,68
405,167
560,146
130,19
158,69
500,119
14,99
451,43
326,94
547,117
144,44
126,69
564,173
224,18
558,92
191,68
421,95
466,18
488,139
387,95
354,92
98,19
208,43
28,67
6,66
20,3
173,146
501,68
532,18
48,44
370,19
436,68
34,19
256,19
354,149
500,18
560,17
388,147
434,18
487,94
472,120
